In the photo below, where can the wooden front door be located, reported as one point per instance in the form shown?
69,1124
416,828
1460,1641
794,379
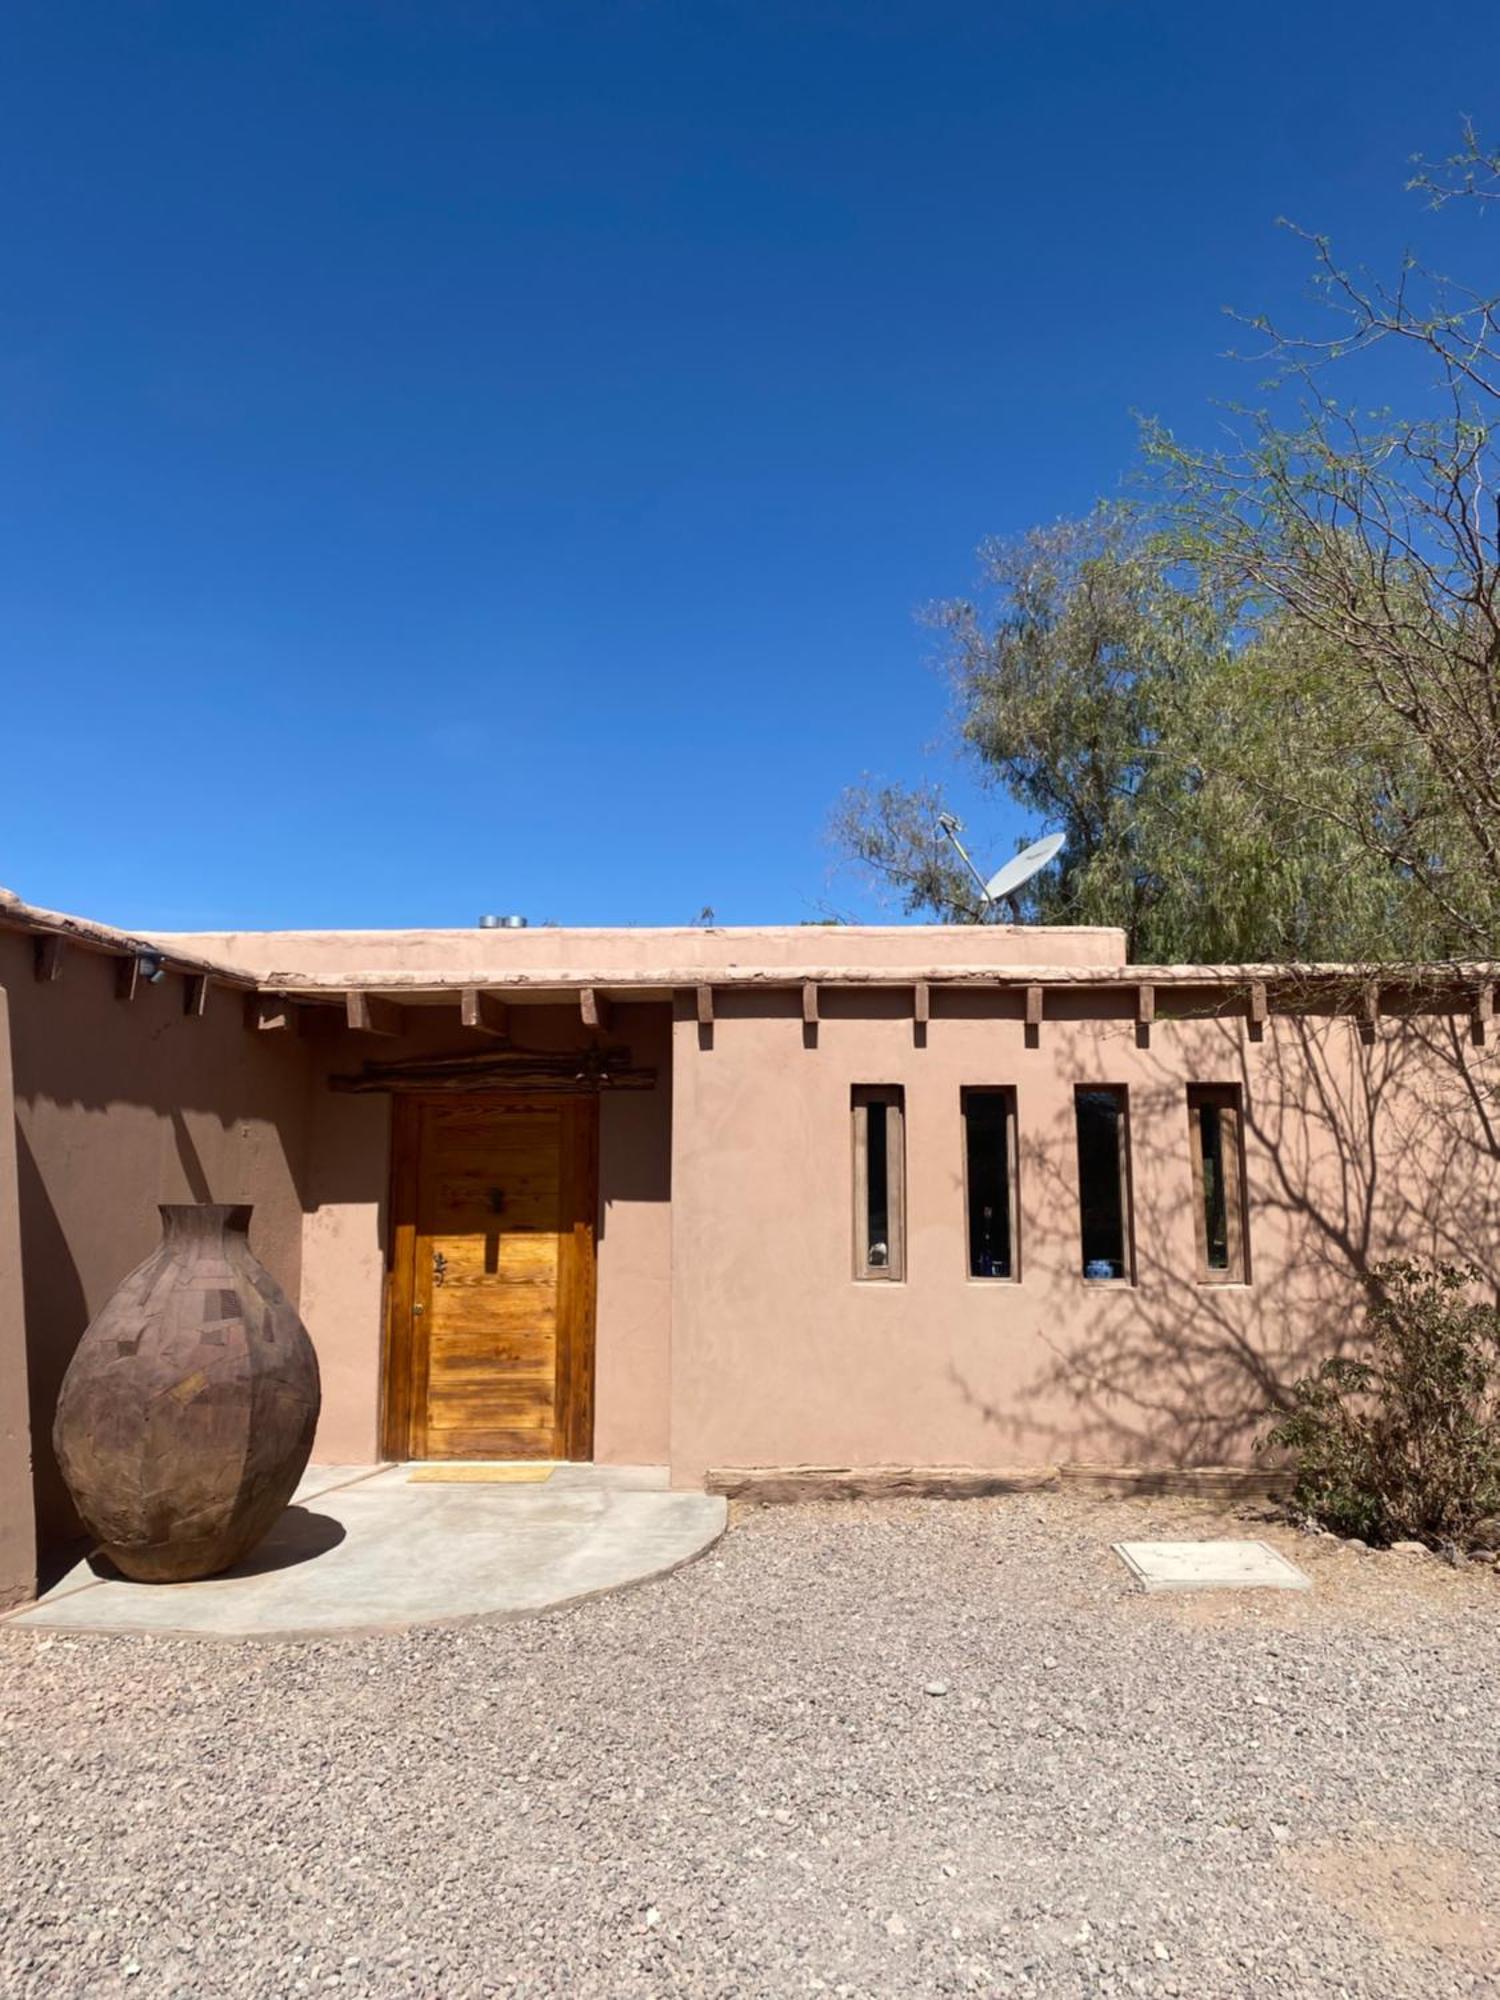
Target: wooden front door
490,1338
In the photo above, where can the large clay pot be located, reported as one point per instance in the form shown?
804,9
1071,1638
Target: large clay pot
187,1414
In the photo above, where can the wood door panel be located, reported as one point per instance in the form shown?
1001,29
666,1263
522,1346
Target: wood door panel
490,1330
504,1256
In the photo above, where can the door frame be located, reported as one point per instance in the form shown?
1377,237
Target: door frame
403,1410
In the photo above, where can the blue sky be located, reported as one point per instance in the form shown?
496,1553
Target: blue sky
484,456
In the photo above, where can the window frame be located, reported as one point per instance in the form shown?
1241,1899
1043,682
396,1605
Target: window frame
893,1097
1226,1097
1121,1092
1006,1092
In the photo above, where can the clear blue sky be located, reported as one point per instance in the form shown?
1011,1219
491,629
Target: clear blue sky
489,456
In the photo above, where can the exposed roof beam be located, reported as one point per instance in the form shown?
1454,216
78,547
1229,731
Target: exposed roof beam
48,963
485,1012
369,1014
267,1013
595,1009
1484,1010
195,995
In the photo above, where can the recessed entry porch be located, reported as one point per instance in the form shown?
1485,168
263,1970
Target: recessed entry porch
489,1337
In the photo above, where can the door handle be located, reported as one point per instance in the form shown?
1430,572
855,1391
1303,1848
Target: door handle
419,1308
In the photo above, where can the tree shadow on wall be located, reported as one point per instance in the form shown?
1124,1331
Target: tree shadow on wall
1357,1149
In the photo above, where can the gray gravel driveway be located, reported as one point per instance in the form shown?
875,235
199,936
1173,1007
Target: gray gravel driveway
908,1748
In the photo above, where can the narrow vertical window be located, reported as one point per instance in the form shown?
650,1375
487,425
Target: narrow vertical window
1103,1181
1216,1147
879,1182
990,1182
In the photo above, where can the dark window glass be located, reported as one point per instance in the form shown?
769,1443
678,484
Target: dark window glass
1101,1181
878,1188
987,1148
1215,1207
879,1183
1214,1139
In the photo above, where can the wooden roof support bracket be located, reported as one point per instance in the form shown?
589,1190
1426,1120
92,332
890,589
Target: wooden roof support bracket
596,1010
368,1014
809,1003
1484,1011
195,995
921,1010
1258,1009
1369,1008
705,1000
1033,1015
1145,1012
48,962
485,1012
269,1012
127,976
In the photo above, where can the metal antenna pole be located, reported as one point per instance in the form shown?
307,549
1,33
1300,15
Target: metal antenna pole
952,827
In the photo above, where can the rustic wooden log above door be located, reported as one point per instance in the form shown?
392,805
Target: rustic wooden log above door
534,1072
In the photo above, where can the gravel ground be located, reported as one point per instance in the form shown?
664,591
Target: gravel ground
908,1748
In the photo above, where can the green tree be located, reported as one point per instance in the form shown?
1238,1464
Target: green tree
1125,705
1265,710
1375,537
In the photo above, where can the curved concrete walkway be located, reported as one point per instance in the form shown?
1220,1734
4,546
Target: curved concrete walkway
365,1549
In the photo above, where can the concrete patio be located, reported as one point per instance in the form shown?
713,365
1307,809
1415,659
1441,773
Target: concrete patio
366,1549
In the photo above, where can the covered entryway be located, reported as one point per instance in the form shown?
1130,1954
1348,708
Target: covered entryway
490,1322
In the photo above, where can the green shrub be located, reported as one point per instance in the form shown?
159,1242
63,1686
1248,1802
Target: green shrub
1404,1443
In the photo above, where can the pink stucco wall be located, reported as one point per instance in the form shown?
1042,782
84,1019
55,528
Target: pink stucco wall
481,954
731,1331
17,1513
1355,1151
120,1105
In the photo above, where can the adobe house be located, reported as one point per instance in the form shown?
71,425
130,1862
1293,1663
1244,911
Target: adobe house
738,1202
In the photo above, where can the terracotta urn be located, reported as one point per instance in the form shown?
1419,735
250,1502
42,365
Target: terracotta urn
187,1414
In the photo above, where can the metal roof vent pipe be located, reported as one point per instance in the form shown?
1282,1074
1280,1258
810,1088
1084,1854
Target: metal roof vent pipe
494,923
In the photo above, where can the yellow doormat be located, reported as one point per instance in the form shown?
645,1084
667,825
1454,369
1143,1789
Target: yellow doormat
478,1475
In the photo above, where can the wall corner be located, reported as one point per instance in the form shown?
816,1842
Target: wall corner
17,1499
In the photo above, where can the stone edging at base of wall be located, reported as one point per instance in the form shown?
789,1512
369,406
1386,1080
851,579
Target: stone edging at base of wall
772,1483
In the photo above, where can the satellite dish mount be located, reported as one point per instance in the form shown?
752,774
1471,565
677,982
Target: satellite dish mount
1007,882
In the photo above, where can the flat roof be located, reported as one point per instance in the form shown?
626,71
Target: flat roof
436,966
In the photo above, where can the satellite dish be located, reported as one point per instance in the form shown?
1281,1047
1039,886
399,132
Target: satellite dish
1006,881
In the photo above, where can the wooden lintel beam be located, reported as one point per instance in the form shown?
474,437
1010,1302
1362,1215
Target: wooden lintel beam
705,999
48,961
1145,1005
195,995
810,1003
268,1013
921,1003
369,1014
485,1012
595,1009
1033,1006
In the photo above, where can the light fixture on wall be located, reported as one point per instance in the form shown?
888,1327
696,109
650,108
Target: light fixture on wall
150,966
